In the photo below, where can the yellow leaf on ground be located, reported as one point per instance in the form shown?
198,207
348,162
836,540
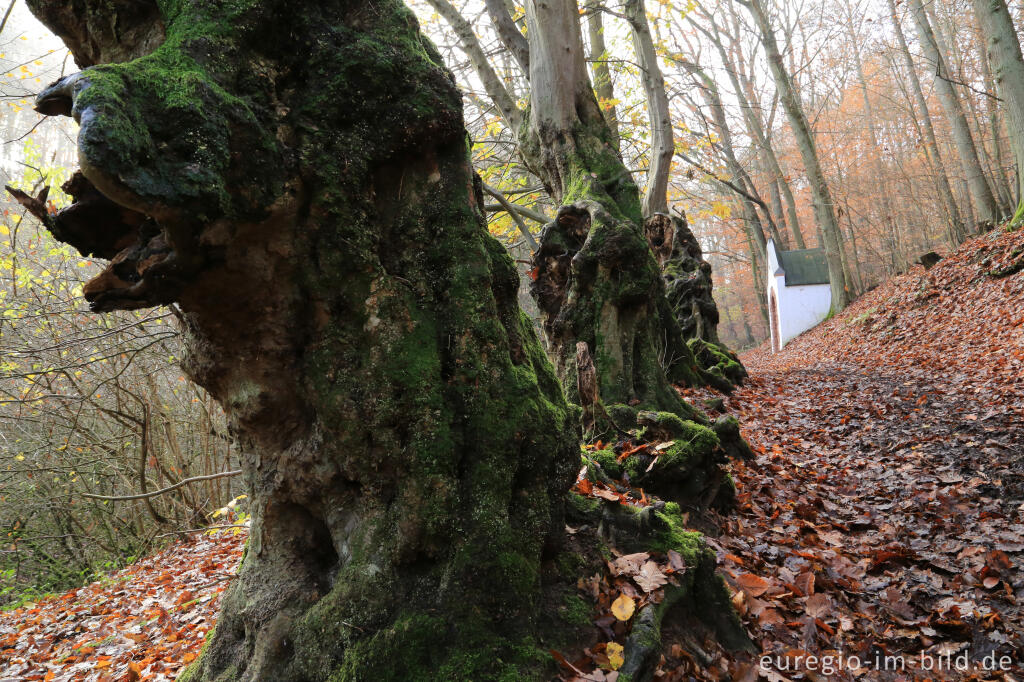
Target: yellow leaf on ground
615,657
623,607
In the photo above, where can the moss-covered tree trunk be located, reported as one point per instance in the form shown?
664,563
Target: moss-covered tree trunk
689,289
596,279
295,176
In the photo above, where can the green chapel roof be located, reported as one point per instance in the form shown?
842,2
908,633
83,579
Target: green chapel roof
806,266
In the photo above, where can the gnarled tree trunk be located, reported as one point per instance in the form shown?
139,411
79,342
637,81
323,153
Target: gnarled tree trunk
596,280
297,179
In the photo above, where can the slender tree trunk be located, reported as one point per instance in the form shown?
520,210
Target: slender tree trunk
957,231
775,196
509,33
7,15
888,214
713,99
298,180
492,83
984,201
853,276
950,47
603,85
744,88
792,217
1007,195
757,264
751,341
965,202
655,199
1004,53
824,209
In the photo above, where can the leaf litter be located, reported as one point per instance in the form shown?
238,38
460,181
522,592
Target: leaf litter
882,521
142,624
881,527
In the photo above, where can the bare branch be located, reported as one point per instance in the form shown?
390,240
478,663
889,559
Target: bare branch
162,491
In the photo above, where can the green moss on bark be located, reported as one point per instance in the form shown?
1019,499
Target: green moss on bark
722,367
409,447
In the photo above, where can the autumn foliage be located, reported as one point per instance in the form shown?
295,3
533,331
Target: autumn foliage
882,522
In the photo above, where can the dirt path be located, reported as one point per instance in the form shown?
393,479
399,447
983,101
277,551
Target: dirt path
884,518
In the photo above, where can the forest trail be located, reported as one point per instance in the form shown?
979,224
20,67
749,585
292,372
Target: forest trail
883,518
884,515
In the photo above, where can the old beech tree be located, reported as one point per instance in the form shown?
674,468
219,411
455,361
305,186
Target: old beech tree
295,177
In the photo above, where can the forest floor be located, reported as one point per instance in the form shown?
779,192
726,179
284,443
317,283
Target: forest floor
882,523
146,622
879,533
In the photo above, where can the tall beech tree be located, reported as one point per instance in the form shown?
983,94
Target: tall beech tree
297,180
957,232
1004,53
985,204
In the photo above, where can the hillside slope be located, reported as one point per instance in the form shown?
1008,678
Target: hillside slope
881,528
145,622
956,315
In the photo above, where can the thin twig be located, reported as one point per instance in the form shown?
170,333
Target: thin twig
124,498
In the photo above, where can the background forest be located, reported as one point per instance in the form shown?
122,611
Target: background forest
89,405
909,147
892,153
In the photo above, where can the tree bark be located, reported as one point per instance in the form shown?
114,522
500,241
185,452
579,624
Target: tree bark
957,231
688,282
299,182
509,33
949,47
603,85
774,196
1003,185
984,201
618,309
1004,54
655,199
824,210
596,278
